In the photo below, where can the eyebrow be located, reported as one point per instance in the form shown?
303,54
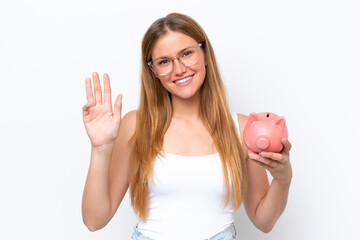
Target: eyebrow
176,54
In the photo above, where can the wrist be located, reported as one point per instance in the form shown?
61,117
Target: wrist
103,149
282,182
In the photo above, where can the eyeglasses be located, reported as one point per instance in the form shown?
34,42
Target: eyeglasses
164,65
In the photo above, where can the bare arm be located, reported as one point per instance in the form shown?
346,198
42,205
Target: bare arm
271,206
107,179
265,203
96,208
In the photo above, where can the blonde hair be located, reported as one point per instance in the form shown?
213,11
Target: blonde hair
155,111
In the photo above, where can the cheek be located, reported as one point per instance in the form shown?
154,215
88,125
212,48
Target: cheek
199,68
164,82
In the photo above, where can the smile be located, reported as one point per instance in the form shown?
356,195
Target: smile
184,80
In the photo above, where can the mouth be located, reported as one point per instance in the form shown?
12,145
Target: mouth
183,80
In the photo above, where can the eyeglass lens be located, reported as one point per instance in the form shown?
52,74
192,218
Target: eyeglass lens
188,57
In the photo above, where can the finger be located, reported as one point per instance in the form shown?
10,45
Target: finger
269,162
97,88
273,156
266,161
85,109
89,92
287,145
117,107
86,106
269,168
107,91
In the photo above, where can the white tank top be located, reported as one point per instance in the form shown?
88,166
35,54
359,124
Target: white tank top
187,198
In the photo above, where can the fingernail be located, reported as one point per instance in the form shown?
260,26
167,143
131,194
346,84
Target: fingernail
252,155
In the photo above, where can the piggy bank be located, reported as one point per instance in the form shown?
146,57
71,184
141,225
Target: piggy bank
263,132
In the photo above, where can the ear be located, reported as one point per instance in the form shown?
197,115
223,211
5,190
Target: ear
205,58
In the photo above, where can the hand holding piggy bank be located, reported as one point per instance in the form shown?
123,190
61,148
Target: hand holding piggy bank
264,131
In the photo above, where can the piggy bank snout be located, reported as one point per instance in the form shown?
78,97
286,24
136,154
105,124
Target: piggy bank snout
262,142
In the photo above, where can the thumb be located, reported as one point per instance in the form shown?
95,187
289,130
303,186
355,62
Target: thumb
117,107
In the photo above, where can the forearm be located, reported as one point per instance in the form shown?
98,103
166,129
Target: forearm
96,207
272,205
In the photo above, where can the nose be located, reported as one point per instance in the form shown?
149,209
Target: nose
179,67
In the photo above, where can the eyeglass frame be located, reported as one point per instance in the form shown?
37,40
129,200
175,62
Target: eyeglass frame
172,59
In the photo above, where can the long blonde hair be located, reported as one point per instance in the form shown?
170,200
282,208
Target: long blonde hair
155,111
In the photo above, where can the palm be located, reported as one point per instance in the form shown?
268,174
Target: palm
101,123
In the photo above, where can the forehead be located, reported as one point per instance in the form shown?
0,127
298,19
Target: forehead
171,43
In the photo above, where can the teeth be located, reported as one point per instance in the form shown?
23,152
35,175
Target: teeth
183,80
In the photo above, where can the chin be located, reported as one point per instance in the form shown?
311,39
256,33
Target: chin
186,94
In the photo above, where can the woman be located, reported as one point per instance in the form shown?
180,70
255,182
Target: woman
181,150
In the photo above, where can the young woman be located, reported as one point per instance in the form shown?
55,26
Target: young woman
181,153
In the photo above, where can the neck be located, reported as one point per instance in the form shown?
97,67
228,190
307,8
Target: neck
186,109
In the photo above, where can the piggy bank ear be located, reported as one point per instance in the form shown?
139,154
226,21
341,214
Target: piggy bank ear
253,117
281,122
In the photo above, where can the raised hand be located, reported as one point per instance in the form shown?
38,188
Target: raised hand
101,123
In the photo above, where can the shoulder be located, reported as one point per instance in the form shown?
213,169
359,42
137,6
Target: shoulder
242,120
130,116
128,123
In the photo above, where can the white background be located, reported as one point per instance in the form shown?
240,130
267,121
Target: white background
298,59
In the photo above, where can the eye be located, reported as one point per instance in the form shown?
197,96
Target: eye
162,62
187,53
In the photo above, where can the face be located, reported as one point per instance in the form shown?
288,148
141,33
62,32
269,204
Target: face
170,45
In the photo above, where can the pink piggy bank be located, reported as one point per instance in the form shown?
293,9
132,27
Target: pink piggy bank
263,132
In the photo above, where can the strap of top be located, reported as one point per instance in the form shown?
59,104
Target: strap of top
236,121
